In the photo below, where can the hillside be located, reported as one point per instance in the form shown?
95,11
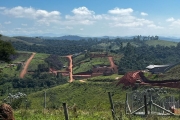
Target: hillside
161,43
11,39
50,73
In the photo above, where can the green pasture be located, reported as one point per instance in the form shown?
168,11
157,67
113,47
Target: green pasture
160,42
88,63
80,58
111,78
85,101
38,59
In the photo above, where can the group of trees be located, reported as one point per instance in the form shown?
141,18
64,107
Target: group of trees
139,37
58,47
137,58
6,50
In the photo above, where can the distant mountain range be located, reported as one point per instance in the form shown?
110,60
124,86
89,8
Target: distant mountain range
75,37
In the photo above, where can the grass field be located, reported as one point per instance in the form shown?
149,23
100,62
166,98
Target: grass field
85,101
161,42
38,59
83,64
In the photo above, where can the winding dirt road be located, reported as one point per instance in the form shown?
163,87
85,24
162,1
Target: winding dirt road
24,71
70,68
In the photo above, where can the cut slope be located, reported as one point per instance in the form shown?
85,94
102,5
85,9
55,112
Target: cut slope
131,78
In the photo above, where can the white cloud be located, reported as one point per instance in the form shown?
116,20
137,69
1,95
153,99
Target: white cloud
119,11
82,11
117,20
175,23
31,13
82,15
170,19
144,14
7,22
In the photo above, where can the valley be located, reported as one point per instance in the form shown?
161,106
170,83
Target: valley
82,78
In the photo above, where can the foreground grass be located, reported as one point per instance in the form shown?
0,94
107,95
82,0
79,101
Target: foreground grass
82,115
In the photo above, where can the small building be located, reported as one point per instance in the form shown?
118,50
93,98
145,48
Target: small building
155,69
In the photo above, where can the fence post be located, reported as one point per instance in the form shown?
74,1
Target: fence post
65,111
150,104
112,106
145,104
126,102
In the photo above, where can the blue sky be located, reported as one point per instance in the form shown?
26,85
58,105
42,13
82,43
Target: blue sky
90,17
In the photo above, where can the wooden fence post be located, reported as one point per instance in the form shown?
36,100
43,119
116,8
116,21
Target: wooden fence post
126,102
65,111
112,106
145,105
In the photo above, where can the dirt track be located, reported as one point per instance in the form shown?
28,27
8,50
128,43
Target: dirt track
70,68
23,72
112,64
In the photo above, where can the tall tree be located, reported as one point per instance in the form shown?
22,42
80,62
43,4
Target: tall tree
6,50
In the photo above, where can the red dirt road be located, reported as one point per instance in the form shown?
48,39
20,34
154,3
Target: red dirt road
70,68
24,71
112,64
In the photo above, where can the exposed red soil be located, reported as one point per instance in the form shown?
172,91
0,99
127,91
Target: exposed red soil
131,78
112,64
70,68
24,71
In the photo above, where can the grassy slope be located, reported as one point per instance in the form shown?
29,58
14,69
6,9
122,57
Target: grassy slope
11,39
160,42
38,59
83,64
91,100
83,94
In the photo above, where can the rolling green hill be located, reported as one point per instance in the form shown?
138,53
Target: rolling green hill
161,43
12,39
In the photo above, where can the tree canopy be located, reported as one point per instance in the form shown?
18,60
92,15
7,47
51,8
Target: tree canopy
6,50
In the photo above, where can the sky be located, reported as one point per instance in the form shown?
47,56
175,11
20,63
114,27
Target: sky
90,17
